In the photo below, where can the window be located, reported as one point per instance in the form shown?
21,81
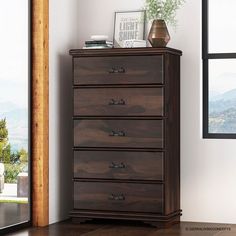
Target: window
219,68
15,82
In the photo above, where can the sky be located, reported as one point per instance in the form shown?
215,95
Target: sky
222,28
222,39
14,52
222,75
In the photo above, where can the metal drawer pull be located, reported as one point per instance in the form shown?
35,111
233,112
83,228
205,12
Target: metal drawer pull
114,197
119,70
117,134
117,166
115,102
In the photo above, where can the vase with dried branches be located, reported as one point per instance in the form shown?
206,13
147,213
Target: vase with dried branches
161,12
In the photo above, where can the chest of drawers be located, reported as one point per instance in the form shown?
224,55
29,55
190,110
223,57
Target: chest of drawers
127,135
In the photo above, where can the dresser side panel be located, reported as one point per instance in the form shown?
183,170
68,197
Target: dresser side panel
172,133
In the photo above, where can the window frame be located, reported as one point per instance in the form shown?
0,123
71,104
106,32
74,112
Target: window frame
39,116
206,56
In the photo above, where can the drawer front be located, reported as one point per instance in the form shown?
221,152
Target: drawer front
118,196
118,102
118,70
119,165
118,133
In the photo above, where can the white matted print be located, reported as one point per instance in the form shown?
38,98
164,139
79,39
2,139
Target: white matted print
129,25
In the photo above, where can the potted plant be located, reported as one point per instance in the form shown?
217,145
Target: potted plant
161,12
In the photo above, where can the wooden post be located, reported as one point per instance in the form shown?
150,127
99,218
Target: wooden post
40,107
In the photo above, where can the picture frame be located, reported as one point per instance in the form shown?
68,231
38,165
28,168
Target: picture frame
128,25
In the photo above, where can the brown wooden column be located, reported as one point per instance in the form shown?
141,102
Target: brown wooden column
40,107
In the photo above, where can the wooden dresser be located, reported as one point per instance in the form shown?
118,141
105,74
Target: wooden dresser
127,134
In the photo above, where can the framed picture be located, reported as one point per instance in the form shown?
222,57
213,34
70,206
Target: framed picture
129,25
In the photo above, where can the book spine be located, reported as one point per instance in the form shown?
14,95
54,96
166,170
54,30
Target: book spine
95,42
96,45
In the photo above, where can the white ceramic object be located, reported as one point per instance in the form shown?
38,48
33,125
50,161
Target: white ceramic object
99,37
133,43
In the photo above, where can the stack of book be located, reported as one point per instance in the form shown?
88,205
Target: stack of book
98,44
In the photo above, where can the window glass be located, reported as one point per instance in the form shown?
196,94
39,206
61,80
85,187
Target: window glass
222,96
14,112
222,28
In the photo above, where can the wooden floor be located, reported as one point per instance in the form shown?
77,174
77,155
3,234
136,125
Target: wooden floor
104,228
13,213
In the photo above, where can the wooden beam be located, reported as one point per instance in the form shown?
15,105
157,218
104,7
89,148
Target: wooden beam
40,113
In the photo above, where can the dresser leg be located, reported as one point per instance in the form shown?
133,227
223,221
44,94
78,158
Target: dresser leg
163,225
77,220
156,224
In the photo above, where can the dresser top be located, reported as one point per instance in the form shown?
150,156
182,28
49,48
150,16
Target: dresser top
123,52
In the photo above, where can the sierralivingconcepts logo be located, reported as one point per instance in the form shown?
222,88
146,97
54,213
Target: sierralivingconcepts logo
208,228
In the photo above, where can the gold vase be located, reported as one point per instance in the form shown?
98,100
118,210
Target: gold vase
158,35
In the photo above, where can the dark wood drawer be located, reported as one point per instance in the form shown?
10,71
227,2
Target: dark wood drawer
118,133
118,70
118,102
118,196
119,165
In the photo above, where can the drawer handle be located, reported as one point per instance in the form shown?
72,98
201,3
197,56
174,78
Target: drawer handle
119,70
117,134
114,102
117,166
114,197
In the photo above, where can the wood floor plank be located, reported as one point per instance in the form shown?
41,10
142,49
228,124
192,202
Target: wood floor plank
126,228
119,230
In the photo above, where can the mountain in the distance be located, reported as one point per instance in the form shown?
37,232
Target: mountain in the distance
229,95
17,124
7,106
213,94
223,122
222,102
222,113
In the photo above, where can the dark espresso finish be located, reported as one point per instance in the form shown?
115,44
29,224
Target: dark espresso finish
119,133
118,70
118,102
118,197
119,165
172,131
127,135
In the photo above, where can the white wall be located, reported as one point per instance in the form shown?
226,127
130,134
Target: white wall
62,37
97,17
208,167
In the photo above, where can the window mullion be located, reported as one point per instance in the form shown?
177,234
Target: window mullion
221,56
